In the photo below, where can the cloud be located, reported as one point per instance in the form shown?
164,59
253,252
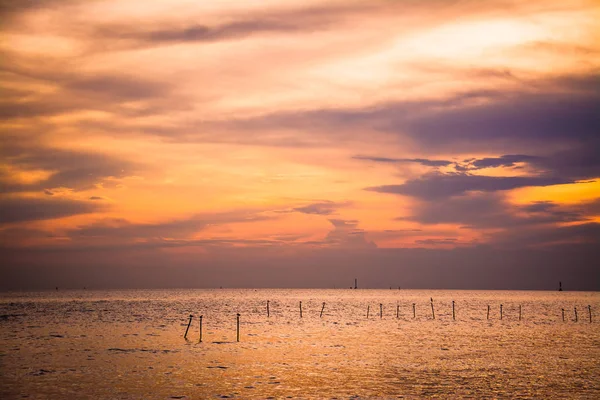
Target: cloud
560,113
347,234
74,91
33,209
547,115
439,186
586,233
320,208
437,242
509,160
77,170
175,229
491,210
422,161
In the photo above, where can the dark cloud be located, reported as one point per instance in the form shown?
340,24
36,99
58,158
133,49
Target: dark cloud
121,228
76,92
236,27
320,208
436,242
31,209
117,87
177,229
548,116
439,186
11,7
560,114
77,170
347,234
587,233
422,161
491,210
508,160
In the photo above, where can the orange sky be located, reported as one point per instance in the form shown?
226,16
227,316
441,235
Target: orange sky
299,124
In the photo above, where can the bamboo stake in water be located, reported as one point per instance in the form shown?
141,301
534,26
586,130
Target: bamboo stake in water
238,327
576,319
322,308
200,340
520,312
268,313
188,327
488,314
380,311
563,314
414,310
590,312
368,308
300,309
453,315
500,311
432,310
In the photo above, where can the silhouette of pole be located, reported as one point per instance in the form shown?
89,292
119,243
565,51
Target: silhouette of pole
576,318
500,311
560,286
300,309
322,308
590,312
380,311
238,327
432,310
268,313
188,327
200,340
397,311
563,314
368,308
414,310
488,314
520,309
355,283
453,315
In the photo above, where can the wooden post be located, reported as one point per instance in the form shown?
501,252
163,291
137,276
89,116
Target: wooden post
200,340
500,311
432,310
590,312
453,315
238,327
268,313
414,310
563,314
488,314
576,318
300,309
380,311
368,307
397,311
188,327
520,312
322,308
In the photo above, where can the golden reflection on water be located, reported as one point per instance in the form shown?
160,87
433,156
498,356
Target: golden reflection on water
130,345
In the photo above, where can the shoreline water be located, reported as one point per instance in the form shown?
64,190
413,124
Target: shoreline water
129,344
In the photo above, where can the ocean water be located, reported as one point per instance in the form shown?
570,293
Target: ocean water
129,344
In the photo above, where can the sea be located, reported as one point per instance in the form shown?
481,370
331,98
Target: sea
299,344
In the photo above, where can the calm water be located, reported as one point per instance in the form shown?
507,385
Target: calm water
129,344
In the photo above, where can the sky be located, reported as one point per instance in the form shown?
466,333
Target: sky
415,144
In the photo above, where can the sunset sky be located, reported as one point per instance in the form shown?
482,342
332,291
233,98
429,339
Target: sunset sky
450,144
